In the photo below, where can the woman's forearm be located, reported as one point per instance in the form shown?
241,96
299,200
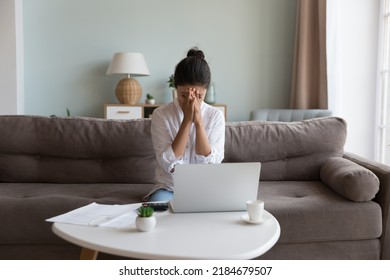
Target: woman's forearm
202,146
180,142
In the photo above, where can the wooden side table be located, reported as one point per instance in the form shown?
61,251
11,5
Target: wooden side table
128,112
138,111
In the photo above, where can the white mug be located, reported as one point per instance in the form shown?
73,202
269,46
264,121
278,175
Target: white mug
255,210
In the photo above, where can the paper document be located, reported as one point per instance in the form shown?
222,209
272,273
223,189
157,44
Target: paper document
103,215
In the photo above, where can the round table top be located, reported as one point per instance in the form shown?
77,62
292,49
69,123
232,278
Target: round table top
215,235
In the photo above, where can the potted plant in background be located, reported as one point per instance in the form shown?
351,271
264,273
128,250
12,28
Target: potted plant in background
171,84
150,99
145,220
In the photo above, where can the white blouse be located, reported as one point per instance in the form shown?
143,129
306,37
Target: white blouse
166,121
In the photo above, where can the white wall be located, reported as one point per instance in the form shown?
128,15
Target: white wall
358,46
69,44
11,57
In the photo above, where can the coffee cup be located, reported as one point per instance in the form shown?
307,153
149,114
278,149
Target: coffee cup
255,210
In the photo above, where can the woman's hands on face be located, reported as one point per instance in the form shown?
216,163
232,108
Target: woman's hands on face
190,100
196,101
187,105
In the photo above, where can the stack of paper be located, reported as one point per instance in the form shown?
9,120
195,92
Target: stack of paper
94,214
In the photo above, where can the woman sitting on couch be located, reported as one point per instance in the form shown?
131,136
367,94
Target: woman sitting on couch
187,130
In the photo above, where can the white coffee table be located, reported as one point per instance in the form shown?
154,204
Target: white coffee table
217,235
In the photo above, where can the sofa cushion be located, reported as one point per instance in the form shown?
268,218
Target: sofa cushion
26,206
75,150
287,151
310,212
369,249
349,179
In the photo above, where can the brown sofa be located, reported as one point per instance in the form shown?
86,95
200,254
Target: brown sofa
330,204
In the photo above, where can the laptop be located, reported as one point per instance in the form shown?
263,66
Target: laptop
214,187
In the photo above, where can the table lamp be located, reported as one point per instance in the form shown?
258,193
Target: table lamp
128,90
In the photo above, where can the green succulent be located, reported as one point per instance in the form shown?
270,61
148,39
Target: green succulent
145,211
148,96
171,81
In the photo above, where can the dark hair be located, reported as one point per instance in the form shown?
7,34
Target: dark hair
193,70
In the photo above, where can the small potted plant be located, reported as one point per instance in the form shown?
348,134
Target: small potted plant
171,84
150,99
146,220
171,81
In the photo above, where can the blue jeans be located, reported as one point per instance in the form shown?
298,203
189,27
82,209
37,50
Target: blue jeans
161,195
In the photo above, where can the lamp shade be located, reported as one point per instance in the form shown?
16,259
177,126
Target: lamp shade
128,63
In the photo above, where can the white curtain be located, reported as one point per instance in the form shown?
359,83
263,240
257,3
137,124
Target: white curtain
333,56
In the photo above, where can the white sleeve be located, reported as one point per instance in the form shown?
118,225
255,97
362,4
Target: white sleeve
216,137
162,139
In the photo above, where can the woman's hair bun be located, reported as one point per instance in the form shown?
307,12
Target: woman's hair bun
195,52
193,70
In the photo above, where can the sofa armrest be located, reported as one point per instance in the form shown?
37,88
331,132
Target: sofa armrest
382,171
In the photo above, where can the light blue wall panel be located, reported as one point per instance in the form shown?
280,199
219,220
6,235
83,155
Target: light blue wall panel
69,44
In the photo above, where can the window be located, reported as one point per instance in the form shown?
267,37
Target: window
383,118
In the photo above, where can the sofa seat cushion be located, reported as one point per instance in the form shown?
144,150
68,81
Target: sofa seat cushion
308,211
25,207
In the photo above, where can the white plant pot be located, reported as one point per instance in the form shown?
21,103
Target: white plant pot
150,101
145,224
